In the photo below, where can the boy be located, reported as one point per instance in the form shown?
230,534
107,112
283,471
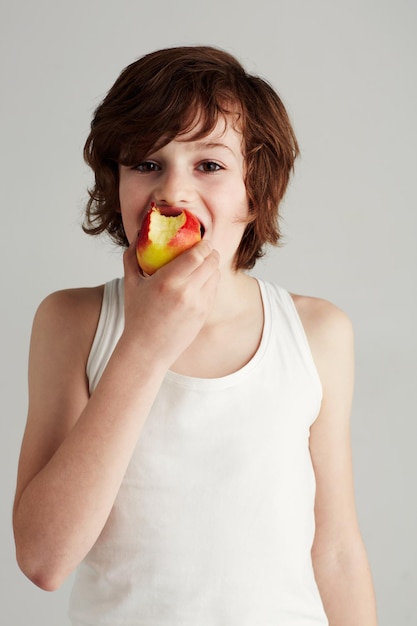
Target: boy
187,444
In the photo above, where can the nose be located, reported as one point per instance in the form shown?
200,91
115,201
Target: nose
174,187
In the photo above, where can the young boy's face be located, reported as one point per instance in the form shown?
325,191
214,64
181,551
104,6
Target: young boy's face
205,176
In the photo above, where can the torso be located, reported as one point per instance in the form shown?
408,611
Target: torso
198,472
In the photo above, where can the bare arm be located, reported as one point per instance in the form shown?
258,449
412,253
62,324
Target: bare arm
76,449
339,557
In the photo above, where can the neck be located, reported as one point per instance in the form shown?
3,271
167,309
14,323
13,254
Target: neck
234,293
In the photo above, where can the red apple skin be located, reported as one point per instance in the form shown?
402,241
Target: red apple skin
155,247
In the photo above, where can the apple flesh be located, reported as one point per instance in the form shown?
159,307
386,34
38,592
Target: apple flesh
164,234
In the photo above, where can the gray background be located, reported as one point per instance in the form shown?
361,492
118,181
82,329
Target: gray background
347,73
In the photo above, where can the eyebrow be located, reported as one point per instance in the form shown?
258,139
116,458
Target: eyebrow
211,145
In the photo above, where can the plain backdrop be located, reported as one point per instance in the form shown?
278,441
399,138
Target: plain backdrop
347,73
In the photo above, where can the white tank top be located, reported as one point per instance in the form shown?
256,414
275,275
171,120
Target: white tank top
214,521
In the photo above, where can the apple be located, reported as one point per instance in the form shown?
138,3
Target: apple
165,233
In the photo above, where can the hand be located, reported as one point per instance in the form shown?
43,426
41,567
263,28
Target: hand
165,312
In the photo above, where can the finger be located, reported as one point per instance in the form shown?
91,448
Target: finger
208,268
187,262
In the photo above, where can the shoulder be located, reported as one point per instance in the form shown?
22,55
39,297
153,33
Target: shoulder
328,330
71,300
67,302
69,316
322,318
74,307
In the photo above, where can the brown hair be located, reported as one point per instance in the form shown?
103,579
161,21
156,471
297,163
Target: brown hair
169,92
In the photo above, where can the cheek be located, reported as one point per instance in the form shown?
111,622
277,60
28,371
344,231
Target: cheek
132,205
241,199
126,195
229,235
241,212
130,220
123,203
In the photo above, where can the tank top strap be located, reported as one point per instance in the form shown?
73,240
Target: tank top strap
109,329
290,329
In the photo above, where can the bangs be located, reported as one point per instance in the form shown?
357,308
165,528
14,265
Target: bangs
196,117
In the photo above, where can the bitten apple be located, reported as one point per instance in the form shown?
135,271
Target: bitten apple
164,234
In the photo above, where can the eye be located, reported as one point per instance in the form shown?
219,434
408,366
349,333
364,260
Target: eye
147,167
210,166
